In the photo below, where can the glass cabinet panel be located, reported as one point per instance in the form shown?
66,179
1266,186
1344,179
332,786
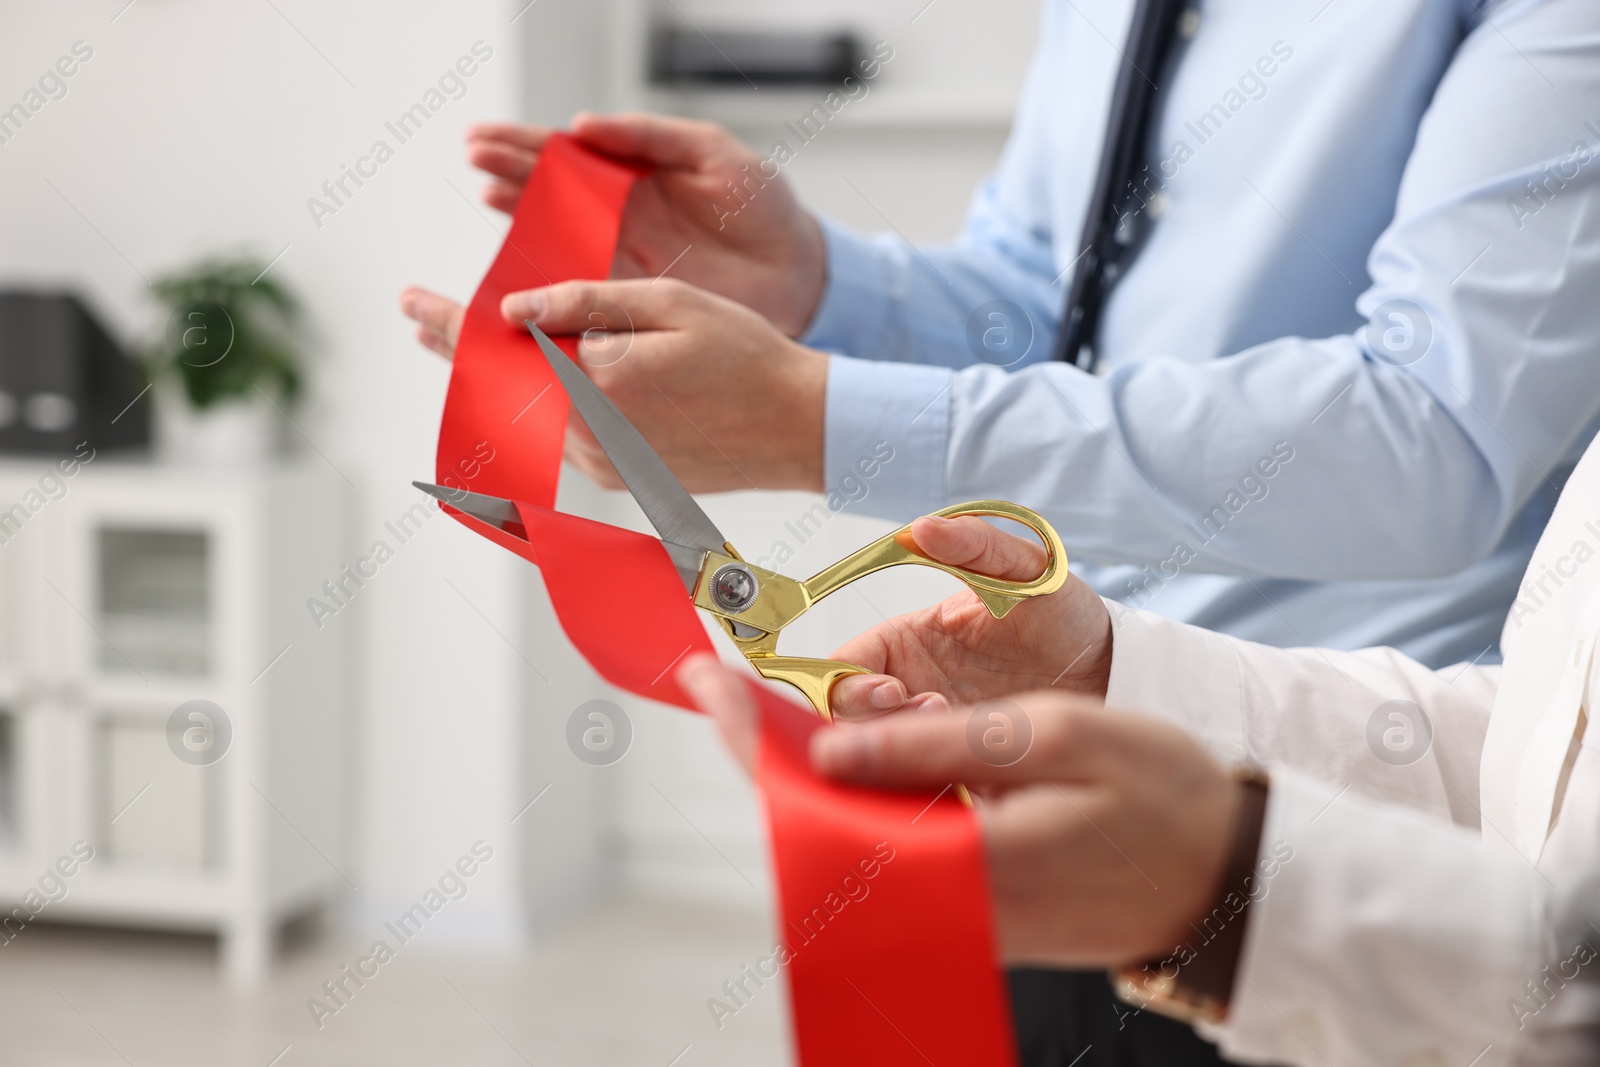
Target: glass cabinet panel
155,601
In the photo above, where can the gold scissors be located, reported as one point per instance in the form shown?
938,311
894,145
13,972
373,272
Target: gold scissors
750,603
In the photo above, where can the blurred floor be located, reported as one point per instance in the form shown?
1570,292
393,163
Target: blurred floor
626,985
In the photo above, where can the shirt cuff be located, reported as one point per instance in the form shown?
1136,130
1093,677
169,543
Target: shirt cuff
888,428
1379,936
853,317
1181,673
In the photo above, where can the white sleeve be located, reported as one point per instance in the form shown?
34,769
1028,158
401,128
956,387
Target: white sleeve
1374,721
1385,937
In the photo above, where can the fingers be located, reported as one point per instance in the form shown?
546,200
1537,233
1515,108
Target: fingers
528,138
438,319
573,307
501,160
726,697
508,153
1071,739
509,149
866,696
584,452
656,139
502,196
430,340
969,542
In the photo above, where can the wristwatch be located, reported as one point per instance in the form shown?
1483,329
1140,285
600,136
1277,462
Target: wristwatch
1195,982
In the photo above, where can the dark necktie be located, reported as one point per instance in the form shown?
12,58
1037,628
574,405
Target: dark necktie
1149,37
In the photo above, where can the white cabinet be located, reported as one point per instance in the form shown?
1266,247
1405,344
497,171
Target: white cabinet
130,591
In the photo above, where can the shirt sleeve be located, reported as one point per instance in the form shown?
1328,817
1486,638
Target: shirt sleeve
1374,721
1388,930
1384,937
1318,437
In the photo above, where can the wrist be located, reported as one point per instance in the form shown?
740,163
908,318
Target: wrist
803,409
1090,673
1096,677
809,279
1194,983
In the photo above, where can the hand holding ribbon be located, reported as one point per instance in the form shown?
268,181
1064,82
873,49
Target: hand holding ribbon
888,983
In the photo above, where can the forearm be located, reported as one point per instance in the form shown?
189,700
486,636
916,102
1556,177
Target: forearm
951,305
1256,464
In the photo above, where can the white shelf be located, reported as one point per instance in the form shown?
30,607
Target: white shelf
771,109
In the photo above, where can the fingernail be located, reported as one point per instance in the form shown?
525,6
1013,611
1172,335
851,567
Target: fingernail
937,520
529,305
888,694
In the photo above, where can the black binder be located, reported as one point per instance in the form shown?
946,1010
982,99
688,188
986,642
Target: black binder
63,380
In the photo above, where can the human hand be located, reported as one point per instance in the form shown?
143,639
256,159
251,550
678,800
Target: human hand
438,319
727,401
758,247
956,652
1105,840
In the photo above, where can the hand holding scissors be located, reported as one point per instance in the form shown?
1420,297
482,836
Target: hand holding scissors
750,603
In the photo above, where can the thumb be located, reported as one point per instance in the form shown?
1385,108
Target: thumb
969,542
574,307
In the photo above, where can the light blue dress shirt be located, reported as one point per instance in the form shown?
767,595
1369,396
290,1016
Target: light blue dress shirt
1352,362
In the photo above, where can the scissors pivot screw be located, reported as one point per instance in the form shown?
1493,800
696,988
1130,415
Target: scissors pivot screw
734,587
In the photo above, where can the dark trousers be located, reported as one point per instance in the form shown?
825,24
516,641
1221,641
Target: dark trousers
1072,1019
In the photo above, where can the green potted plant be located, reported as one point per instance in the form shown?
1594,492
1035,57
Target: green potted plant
227,366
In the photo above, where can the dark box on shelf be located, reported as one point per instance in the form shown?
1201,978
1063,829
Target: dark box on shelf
63,380
687,58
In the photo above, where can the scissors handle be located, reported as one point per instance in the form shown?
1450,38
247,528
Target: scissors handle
813,677
998,594
786,599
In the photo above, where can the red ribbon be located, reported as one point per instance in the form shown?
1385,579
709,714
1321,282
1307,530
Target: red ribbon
886,928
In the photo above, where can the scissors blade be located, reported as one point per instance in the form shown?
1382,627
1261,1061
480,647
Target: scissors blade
502,514
666,503
499,513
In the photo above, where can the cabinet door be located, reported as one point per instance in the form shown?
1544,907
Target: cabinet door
153,809
141,628
31,790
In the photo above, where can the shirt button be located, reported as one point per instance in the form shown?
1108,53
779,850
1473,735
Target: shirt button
1189,23
1158,205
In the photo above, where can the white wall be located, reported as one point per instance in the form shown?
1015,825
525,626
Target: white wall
199,127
